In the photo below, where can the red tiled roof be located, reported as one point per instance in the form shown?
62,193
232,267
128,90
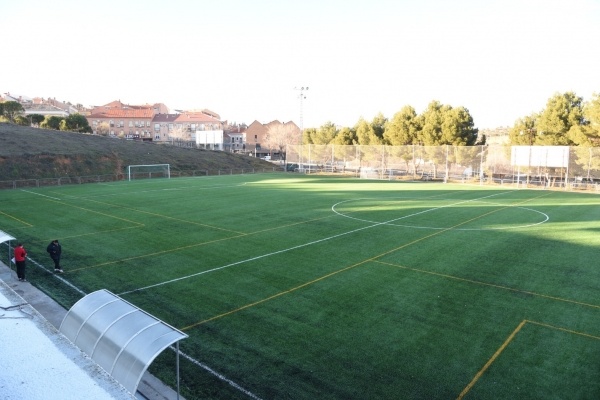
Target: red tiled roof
165,117
126,113
197,117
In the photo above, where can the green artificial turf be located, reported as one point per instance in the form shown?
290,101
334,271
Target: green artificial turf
304,287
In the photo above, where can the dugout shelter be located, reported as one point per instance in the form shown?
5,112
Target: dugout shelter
118,336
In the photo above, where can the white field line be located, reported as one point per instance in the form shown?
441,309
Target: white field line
301,245
207,368
194,361
546,218
216,374
39,194
157,190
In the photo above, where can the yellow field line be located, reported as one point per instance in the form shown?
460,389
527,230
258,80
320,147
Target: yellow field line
491,360
91,233
507,341
272,297
164,216
16,219
343,269
489,284
558,328
96,212
156,253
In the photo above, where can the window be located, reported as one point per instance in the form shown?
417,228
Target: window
121,124
131,124
157,127
170,127
147,124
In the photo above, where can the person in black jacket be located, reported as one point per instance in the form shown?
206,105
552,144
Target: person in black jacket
54,250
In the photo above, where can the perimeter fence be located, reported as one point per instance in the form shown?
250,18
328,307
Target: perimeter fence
527,166
78,180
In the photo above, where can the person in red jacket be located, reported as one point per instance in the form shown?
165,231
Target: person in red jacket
20,255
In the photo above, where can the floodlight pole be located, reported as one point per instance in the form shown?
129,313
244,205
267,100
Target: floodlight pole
301,97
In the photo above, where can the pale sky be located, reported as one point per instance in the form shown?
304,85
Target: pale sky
501,59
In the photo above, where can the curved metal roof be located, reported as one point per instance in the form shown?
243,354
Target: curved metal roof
5,237
118,336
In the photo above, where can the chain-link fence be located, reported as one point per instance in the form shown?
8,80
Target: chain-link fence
527,166
77,180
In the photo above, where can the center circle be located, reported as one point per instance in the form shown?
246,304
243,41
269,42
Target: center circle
475,215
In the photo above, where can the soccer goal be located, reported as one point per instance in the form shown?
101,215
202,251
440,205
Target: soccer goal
148,171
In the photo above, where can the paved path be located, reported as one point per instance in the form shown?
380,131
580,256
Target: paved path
149,388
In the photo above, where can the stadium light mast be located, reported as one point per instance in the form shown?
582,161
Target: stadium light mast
302,96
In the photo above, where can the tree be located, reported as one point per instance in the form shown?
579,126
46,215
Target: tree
402,129
36,119
378,126
365,133
103,128
52,122
431,124
458,128
524,131
345,136
10,109
22,120
180,132
591,113
307,135
75,123
562,112
280,135
325,134
441,124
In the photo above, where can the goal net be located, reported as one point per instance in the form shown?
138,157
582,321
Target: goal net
148,171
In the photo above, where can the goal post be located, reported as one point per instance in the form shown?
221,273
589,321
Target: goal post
148,171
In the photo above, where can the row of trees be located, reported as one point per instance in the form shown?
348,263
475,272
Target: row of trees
439,124
12,111
566,121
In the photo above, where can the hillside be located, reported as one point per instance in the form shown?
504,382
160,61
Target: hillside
29,153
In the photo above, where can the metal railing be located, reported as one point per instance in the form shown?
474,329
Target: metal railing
78,180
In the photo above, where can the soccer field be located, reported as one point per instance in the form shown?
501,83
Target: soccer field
303,287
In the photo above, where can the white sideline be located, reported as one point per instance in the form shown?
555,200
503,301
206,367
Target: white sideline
218,375
39,194
303,245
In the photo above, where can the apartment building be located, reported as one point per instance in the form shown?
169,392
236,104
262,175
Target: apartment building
198,127
124,120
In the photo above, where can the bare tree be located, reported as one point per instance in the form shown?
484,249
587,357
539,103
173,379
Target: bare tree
103,128
280,135
180,132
